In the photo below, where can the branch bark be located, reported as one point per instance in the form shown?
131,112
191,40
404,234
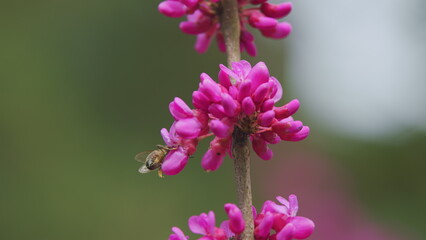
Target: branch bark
230,27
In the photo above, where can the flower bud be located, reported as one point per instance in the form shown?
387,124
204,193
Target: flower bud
172,9
188,128
202,43
179,109
212,160
281,30
248,106
265,119
236,220
276,10
287,110
174,162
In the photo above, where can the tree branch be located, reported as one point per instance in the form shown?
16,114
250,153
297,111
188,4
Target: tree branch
230,26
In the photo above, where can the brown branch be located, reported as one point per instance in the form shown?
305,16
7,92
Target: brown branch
230,26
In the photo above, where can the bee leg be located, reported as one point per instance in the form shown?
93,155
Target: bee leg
160,173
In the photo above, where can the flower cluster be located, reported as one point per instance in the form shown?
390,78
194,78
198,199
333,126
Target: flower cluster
203,21
248,104
274,222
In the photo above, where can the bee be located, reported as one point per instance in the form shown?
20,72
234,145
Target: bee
153,159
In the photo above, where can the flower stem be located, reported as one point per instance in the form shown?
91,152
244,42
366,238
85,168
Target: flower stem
230,26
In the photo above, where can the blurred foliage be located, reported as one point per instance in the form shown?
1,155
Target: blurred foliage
85,85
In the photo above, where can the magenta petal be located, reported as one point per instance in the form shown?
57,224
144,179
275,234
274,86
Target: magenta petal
267,105
263,23
233,91
285,128
260,93
293,205
245,65
174,162
211,89
271,207
198,225
230,73
258,75
200,100
217,110
203,42
278,93
190,3
250,48
299,136
263,229
220,129
286,233
281,30
283,201
188,128
172,9
276,10
241,68
244,90
261,149
229,105
287,110
211,160
166,137
225,226
220,42
303,227
265,119
204,76
200,25
236,220
211,221
224,79
178,234
248,106
247,40
189,27
179,109
270,137
247,36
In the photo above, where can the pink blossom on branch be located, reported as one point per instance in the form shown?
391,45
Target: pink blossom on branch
249,105
203,21
221,107
274,222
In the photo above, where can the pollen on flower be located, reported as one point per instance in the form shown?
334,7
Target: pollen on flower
203,21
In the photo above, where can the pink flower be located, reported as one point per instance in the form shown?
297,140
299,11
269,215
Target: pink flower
221,107
178,234
205,224
274,222
283,220
203,21
248,105
182,138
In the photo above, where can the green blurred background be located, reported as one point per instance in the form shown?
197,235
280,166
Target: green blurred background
85,85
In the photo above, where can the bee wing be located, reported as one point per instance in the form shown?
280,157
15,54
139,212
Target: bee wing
141,157
144,169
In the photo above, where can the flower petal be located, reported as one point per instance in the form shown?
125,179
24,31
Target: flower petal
174,162
188,128
212,160
236,220
303,227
